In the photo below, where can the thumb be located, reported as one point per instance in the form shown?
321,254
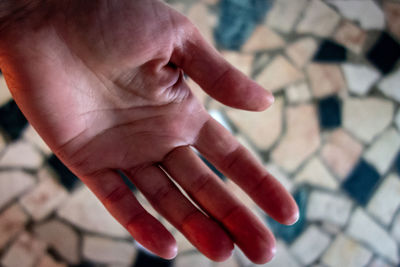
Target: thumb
217,77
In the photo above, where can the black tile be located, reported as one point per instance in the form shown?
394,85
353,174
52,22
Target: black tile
290,233
329,112
212,167
397,163
144,259
330,51
12,121
385,53
361,182
67,178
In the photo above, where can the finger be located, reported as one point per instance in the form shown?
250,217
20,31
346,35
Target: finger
109,187
204,233
217,77
216,144
202,185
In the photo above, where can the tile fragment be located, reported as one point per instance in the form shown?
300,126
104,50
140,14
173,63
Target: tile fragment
11,158
330,52
389,85
392,15
301,51
284,14
12,121
13,184
298,93
385,53
263,39
330,112
316,174
351,36
12,222
325,79
360,78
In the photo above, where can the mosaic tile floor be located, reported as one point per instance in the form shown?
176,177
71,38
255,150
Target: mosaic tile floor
332,138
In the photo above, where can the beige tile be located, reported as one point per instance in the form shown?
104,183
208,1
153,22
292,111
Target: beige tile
301,51
341,153
34,138
193,260
5,94
243,62
392,13
12,222
325,79
204,20
44,199
298,93
183,244
262,128
284,14
319,19
263,39
351,36
25,251
278,74
61,237
48,261
21,154
316,174
301,139
104,250
13,184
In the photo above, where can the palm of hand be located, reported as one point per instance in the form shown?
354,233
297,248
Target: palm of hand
113,94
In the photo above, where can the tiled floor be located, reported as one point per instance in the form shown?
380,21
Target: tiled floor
332,138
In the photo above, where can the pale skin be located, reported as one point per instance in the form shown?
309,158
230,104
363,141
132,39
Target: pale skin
102,82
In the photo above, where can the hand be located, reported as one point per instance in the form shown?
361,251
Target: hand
102,82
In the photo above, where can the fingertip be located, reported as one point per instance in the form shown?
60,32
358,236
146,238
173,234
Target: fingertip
171,252
293,218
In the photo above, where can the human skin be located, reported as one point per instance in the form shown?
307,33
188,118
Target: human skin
102,82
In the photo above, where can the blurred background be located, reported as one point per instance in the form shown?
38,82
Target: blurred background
332,138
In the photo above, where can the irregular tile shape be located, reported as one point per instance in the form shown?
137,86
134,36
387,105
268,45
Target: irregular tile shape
323,206
366,118
364,229
301,51
262,128
205,21
346,252
310,245
282,257
392,15
315,173
361,182
385,53
284,14
243,62
193,260
351,36
34,138
341,153
330,52
325,79
66,177
280,176
61,237
390,85
5,95
104,250
12,121
301,139
298,93
12,222
48,261
383,151
262,39
319,19
360,78
278,74
385,202
43,199
13,184
86,212
366,12
25,251
330,113
11,158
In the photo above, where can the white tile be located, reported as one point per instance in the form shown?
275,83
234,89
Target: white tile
346,252
264,134
263,39
315,173
379,262
193,260
319,19
298,93
323,206
386,199
360,78
395,231
390,85
310,245
366,12
13,184
367,117
85,211
104,250
282,257
61,237
366,230
284,14
12,158
12,222
383,150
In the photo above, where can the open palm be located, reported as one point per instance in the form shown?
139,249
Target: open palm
103,83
